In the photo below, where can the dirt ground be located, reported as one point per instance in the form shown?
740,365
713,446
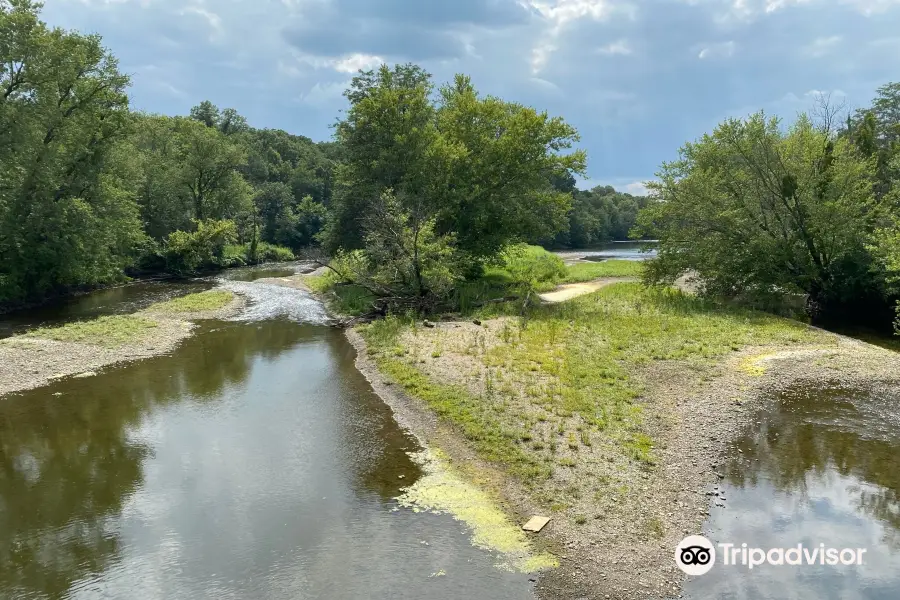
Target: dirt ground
635,515
573,290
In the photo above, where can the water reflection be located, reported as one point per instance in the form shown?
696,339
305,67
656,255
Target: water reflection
124,299
824,467
252,462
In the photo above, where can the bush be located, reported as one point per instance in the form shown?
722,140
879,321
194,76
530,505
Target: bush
528,265
234,255
187,253
266,252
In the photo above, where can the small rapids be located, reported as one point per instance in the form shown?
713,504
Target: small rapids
267,301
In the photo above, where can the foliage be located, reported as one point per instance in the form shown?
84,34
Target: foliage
186,253
529,265
597,216
886,245
203,301
111,331
267,252
758,212
477,166
67,216
404,257
588,271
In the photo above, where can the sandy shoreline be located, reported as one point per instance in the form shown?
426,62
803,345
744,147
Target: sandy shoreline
27,363
692,411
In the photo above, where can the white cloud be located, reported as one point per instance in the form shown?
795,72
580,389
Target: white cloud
557,14
212,19
636,188
618,47
356,62
872,7
822,46
750,10
723,50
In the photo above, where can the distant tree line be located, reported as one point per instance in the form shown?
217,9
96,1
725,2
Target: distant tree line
90,190
597,216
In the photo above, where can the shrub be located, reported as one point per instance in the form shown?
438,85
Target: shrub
266,252
187,253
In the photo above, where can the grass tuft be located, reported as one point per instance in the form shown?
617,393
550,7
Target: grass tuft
201,302
110,331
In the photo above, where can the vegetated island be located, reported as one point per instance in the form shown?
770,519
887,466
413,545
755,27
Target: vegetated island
609,411
44,354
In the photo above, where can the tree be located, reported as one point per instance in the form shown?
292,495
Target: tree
209,171
67,215
207,113
405,263
231,122
477,167
758,211
495,183
385,138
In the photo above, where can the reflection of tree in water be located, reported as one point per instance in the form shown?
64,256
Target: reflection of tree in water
372,439
68,465
817,429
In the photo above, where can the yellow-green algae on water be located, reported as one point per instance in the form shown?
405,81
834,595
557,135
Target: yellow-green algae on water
441,490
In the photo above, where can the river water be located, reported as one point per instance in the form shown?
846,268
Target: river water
256,462
253,462
823,467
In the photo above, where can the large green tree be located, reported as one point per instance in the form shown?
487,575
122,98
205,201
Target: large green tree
476,166
757,210
67,213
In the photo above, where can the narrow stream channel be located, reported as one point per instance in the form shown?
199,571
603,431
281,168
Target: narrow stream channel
253,462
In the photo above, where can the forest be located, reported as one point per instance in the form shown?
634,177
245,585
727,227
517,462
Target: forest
92,192
423,189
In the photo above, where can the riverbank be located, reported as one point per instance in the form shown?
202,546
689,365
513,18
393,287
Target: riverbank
43,355
610,413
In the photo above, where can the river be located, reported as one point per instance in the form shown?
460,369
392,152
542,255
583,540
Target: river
253,462
256,462
822,467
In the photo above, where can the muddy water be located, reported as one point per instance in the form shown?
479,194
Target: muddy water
253,462
822,468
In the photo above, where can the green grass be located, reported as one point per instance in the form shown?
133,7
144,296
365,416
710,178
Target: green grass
104,331
578,361
472,415
344,299
588,271
201,302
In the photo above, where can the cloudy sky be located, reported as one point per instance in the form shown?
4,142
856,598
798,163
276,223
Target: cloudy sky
636,78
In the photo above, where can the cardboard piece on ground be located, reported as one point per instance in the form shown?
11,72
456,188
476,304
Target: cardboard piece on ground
535,523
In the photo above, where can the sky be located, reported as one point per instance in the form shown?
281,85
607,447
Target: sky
636,78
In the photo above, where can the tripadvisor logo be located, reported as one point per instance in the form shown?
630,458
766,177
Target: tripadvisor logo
696,555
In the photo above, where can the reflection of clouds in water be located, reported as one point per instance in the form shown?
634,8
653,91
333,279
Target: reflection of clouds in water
818,471
269,301
828,513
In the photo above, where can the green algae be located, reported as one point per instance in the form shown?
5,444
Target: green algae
443,491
